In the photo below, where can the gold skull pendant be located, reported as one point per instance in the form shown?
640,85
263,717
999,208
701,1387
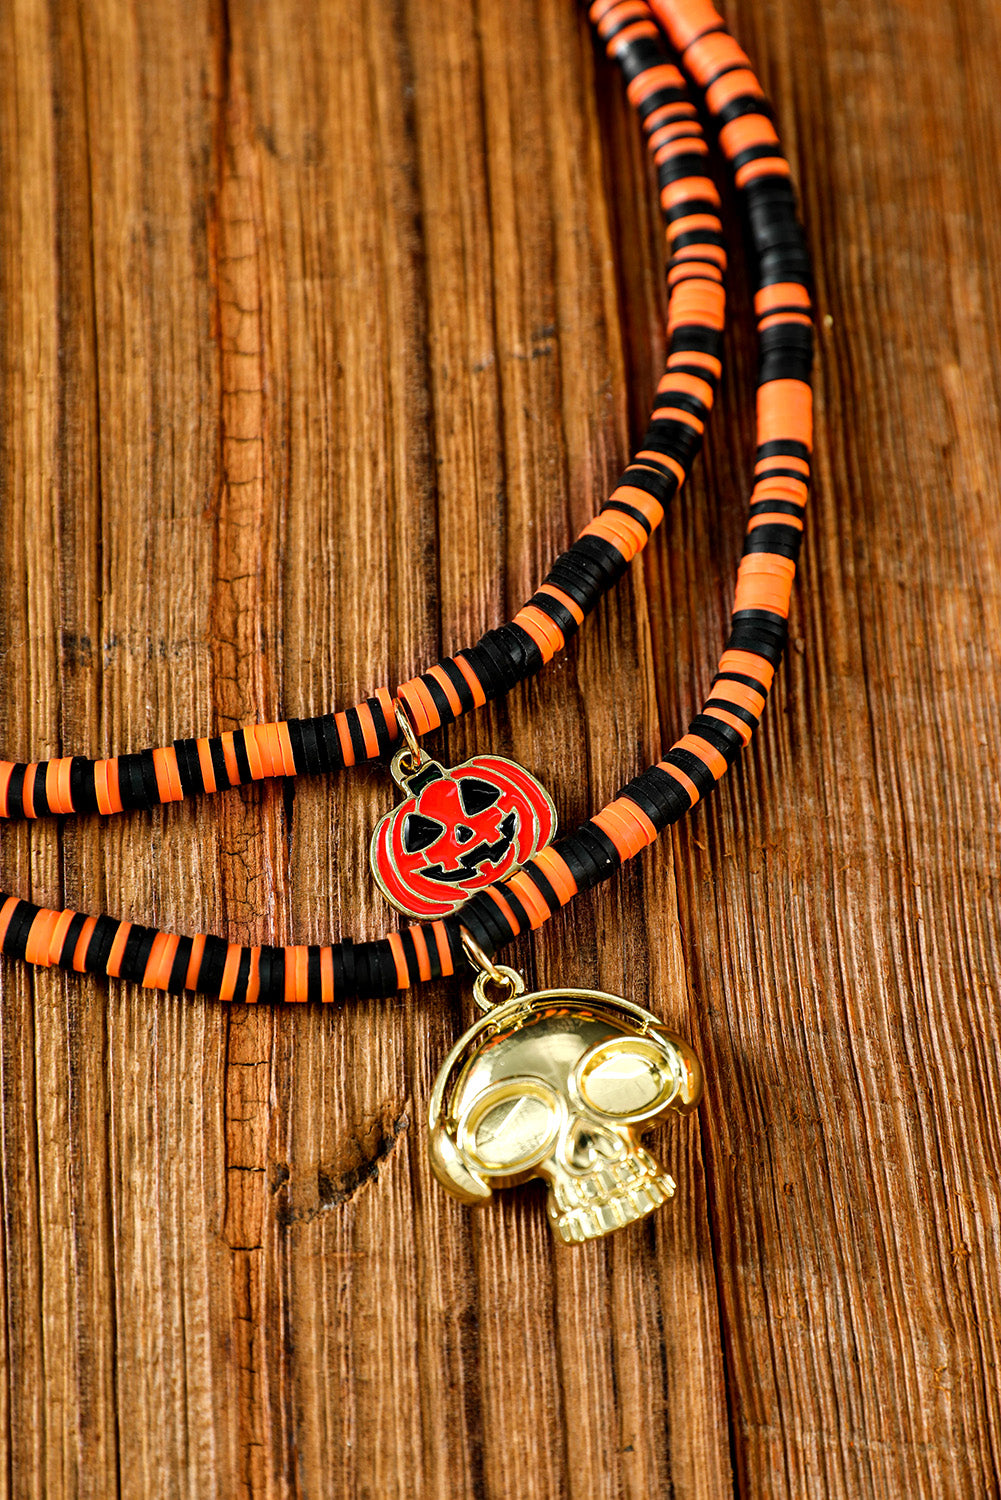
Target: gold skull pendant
561,1085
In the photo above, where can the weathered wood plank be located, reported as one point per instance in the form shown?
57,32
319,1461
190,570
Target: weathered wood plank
324,326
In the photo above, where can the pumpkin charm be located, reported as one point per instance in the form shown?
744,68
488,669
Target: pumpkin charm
457,831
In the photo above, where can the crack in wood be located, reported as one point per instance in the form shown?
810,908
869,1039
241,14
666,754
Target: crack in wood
334,1189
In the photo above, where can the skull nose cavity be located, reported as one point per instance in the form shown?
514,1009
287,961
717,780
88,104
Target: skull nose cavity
589,1144
463,833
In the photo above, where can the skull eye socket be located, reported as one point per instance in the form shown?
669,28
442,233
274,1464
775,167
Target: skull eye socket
628,1078
476,795
420,832
512,1126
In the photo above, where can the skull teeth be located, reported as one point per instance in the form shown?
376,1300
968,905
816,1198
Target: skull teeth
585,1208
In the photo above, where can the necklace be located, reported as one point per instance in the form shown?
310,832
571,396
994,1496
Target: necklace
561,1083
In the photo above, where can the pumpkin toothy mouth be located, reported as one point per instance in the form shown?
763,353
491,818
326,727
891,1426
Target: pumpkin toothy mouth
471,860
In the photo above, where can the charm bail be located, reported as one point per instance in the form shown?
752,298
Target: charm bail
411,746
491,976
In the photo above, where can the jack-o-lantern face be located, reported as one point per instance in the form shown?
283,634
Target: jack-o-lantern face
458,831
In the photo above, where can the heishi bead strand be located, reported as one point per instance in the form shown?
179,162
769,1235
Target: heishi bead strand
576,583
665,792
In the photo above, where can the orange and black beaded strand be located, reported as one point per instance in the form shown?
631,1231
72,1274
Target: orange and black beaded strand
690,769
578,579
693,765
228,971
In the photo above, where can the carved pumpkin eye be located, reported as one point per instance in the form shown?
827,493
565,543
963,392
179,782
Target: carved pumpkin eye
420,832
476,795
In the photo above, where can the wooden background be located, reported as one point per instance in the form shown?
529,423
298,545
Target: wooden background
324,325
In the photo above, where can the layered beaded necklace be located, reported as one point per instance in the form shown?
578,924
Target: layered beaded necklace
561,1083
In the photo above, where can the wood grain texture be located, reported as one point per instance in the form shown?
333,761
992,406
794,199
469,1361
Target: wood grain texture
323,327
